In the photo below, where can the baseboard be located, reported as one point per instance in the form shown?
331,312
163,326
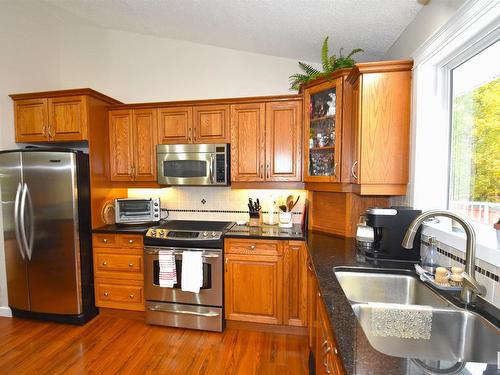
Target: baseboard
262,327
6,312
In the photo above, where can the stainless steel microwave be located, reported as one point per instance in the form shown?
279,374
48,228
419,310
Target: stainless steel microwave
193,164
137,210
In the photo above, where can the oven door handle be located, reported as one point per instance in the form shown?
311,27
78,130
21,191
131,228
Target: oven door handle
204,254
208,315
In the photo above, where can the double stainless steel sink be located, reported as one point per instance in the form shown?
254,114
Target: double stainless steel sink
456,334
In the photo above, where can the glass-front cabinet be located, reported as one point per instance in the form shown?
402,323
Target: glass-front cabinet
322,132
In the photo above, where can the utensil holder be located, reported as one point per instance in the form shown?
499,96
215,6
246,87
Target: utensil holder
285,220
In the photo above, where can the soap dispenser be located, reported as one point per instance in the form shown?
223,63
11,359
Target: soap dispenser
430,260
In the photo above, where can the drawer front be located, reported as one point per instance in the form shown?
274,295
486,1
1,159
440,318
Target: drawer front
120,296
104,239
118,263
130,240
257,247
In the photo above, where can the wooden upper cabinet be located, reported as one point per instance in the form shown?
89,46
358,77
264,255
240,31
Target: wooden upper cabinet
211,124
68,118
31,120
144,135
175,125
121,145
323,130
380,100
283,141
132,137
247,142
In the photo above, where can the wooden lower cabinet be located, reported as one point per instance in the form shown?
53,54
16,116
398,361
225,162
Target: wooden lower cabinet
266,281
118,271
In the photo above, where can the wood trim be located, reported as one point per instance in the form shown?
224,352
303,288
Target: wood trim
267,185
123,314
335,187
380,189
203,102
71,92
262,327
385,66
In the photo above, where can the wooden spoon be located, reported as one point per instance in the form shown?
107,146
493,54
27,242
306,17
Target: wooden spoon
296,201
289,202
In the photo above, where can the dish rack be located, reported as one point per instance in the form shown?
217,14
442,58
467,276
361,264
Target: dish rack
426,277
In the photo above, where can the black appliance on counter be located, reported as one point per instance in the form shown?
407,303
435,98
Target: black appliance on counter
172,306
389,227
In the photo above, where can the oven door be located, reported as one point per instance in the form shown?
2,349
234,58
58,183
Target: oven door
190,168
210,292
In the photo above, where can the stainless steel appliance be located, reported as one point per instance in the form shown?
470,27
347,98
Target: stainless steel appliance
172,306
193,164
137,210
388,227
46,223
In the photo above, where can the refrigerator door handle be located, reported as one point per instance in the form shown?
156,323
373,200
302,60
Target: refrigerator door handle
16,221
22,222
31,213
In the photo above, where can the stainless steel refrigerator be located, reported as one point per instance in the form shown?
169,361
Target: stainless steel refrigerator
47,234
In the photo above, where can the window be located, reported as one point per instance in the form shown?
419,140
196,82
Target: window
474,188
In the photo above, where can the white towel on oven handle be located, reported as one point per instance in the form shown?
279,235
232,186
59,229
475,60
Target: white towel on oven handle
192,271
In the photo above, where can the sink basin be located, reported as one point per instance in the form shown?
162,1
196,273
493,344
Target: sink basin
454,334
360,286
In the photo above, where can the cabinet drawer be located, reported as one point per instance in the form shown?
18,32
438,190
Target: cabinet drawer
257,247
119,296
104,240
129,240
118,263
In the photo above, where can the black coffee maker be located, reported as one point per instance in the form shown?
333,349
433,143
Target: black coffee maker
389,227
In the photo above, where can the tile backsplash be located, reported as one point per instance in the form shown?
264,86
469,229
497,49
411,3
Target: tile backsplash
487,274
217,203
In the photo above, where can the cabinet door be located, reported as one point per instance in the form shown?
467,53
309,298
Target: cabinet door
211,124
175,125
253,288
283,141
144,148
120,145
31,118
68,118
323,131
247,142
355,132
295,284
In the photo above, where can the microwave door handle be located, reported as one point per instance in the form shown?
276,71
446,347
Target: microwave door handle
212,169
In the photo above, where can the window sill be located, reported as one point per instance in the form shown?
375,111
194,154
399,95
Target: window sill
486,248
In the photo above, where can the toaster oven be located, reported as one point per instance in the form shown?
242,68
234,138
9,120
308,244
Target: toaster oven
137,210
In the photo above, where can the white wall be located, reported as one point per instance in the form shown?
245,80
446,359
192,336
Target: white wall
424,25
45,48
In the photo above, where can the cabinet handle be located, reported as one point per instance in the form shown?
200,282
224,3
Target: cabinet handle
261,171
190,135
267,171
353,168
51,132
225,268
319,294
309,266
252,247
335,351
105,240
106,294
104,263
131,296
335,169
194,132
131,264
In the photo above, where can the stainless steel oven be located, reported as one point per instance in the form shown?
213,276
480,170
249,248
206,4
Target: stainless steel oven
193,164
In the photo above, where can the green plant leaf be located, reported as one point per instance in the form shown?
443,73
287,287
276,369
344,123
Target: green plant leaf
354,51
310,70
325,61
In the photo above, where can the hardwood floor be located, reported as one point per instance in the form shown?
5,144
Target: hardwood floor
110,345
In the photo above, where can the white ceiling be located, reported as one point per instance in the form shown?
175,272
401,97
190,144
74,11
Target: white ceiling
287,28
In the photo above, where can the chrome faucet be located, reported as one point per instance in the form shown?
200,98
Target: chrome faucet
470,286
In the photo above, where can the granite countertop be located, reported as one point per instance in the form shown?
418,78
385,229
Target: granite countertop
125,229
269,232
359,357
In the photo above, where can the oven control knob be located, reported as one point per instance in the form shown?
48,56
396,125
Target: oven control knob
153,233
214,234
205,234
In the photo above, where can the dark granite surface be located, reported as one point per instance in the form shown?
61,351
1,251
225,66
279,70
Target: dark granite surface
126,229
270,232
358,356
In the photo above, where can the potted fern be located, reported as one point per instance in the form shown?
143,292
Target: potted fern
329,64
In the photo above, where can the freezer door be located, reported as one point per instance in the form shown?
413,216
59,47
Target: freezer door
11,186
49,218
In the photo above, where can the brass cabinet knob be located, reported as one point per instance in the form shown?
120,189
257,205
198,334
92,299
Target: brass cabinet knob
130,241
131,296
105,240
106,294
252,247
131,264
104,263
